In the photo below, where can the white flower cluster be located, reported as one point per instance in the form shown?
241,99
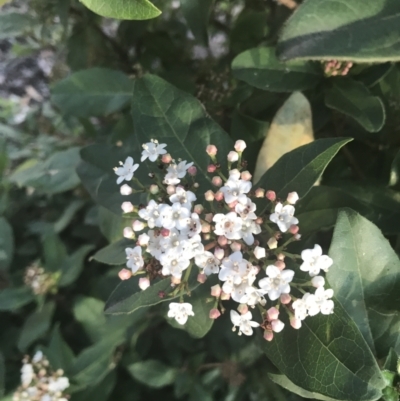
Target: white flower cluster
39,383
181,234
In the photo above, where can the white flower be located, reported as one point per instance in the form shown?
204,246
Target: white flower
125,172
127,207
284,217
151,214
26,374
253,296
244,322
300,308
135,260
208,262
180,312
240,145
259,252
175,172
277,282
154,247
314,261
58,385
191,225
174,216
292,198
272,243
152,150
143,239
249,227
174,264
138,225
320,302
37,357
234,189
185,198
228,225
245,209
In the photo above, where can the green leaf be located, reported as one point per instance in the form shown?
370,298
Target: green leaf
354,99
153,373
2,375
111,225
58,352
72,266
14,24
328,356
14,298
54,251
391,361
35,326
260,67
196,13
6,244
390,394
65,219
114,254
366,278
92,92
100,392
359,30
299,169
123,9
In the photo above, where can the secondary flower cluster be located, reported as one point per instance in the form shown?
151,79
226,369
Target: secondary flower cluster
222,235
39,382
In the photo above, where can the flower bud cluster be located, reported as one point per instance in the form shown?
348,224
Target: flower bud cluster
337,68
39,281
222,236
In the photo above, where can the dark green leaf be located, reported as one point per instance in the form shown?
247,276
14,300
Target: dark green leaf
58,352
114,254
14,298
2,375
100,392
54,251
68,214
111,225
391,361
153,373
260,68
6,244
354,99
14,24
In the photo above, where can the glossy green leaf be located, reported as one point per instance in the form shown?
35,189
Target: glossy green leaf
58,352
92,92
14,24
153,373
14,298
354,99
72,266
54,251
196,13
123,9
358,30
100,392
112,225
6,244
260,68
328,356
391,361
114,254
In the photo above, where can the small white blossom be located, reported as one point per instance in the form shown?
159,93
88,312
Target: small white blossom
180,311
134,257
246,208
249,227
174,216
300,307
228,225
185,198
277,282
58,385
259,252
175,172
174,264
37,357
320,302
244,322
314,261
234,189
26,374
253,296
284,217
151,214
126,171
152,150
208,262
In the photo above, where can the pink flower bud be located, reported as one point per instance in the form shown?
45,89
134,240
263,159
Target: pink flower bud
236,246
318,281
216,290
280,264
271,195
219,253
292,198
205,227
222,240
225,296
233,204
128,232
293,229
166,158
209,217
273,313
280,256
233,156
217,181
125,189
201,278
259,252
198,209
242,309
175,280
170,189
285,299
277,325
214,313
259,220
219,196
125,274
260,192
268,335
240,145
154,189
234,174
192,170
165,232
297,237
144,283
138,225
295,323
211,168
211,150
127,207
209,196
272,243
143,239
245,175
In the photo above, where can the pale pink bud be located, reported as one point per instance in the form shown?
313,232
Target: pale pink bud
198,209
154,189
138,225
219,196
234,174
209,196
217,181
293,229
242,309
297,237
175,280
125,189
211,168
233,204
295,323
222,240
272,243
280,256
259,220
125,274
225,296
166,158
245,175
240,145
285,299
259,252
192,170
268,335
165,232
206,236
214,313
277,325
144,283
271,195
236,246
233,156
170,189
196,185
205,227
273,313
128,232
219,253
216,290
209,217
201,278
143,239
292,198
211,150
127,207
280,264
318,281
260,192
